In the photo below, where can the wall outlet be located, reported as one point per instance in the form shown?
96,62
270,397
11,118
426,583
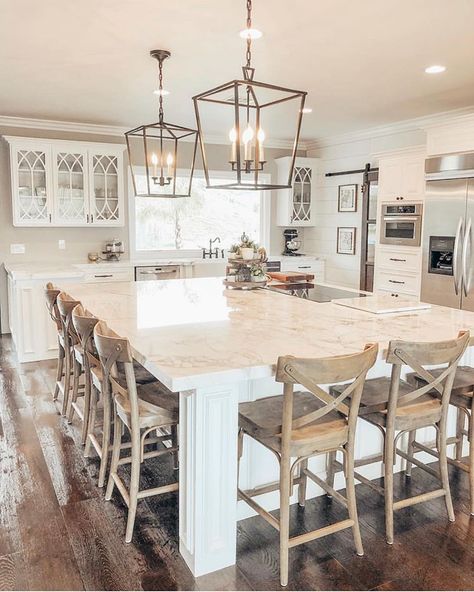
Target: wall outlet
61,244
17,249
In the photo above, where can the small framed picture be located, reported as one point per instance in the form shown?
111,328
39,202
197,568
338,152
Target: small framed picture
346,240
347,198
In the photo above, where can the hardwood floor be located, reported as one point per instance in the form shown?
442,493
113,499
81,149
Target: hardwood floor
58,533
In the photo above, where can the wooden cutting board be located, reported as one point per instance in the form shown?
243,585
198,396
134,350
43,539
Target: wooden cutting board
291,276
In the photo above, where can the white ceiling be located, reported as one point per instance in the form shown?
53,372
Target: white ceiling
362,61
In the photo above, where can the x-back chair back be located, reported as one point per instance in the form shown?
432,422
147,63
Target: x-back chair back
417,355
68,338
84,323
51,294
311,373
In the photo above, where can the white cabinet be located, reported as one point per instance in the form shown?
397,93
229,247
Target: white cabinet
295,206
304,265
64,183
402,177
398,270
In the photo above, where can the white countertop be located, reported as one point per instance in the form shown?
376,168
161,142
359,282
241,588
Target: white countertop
193,332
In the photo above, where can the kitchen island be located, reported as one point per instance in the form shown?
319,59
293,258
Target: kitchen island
219,347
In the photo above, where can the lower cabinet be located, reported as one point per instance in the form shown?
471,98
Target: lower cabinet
304,265
398,270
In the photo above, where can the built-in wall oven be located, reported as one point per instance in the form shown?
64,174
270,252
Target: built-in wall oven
156,272
401,224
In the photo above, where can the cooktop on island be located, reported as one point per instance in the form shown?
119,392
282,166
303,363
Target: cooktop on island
314,292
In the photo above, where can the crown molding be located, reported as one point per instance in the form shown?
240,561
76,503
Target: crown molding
408,125
113,130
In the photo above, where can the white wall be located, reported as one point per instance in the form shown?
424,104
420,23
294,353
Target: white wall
322,238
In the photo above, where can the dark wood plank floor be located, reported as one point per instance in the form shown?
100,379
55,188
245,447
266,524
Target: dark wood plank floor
58,533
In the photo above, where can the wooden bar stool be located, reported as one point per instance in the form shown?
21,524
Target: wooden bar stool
302,425
393,405
51,295
69,339
141,411
462,397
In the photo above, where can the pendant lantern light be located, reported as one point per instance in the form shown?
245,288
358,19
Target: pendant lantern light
249,110
157,151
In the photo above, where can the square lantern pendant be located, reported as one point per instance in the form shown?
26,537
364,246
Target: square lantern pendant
162,155
250,112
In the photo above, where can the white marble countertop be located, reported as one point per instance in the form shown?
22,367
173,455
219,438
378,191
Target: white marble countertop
193,333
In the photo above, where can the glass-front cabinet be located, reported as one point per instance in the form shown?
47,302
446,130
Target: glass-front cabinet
295,206
63,183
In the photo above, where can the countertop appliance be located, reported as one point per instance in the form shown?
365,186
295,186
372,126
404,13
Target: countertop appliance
401,224
156,272
448,233
312,291
292,243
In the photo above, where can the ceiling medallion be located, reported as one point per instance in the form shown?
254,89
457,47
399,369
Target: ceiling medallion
156,153
249,107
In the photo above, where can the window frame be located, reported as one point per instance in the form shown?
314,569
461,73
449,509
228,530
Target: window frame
265,220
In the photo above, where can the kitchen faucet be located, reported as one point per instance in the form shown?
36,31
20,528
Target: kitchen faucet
212,252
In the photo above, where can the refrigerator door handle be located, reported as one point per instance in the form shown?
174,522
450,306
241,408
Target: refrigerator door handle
466,264
457,240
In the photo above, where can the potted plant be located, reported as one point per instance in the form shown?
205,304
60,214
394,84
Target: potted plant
234,251
257,274
247,247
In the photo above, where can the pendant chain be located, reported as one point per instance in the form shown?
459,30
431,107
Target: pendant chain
249,26
160,78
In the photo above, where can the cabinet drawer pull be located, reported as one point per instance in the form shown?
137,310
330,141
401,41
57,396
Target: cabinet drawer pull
104,275
87,218
396,259
396,282
304,266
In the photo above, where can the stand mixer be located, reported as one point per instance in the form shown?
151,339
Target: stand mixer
292,243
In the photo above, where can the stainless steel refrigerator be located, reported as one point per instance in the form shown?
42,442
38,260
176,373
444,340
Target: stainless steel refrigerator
447,273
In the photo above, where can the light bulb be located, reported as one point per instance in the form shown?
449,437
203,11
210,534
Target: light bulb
248,134
233,135
169,159
261,135
154,159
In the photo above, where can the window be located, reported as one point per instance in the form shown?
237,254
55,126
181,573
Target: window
188,223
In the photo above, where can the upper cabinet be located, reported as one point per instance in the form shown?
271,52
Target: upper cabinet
296,206
402,177
63,183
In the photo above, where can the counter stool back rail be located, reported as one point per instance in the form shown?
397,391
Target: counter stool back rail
462,397
51,294
157,408
300,425
85,353
393,405
69,339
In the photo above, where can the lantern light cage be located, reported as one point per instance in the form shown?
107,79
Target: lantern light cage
156,151
247,103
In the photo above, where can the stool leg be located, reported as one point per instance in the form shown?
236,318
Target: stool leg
459,435
331,469
410,451
91,419
471,456
105,439
87,405
67,380
175,444
59,373
443,468
284,517
303,483
134,484
389,453
115,455
351,500
76,372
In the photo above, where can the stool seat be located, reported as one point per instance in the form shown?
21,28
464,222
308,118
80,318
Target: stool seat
142,376
261,419
156,406
374,403
463,386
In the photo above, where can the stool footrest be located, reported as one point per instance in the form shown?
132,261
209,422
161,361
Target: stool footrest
321,532
417,499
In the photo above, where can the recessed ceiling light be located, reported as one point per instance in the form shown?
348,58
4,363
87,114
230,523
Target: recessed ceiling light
250,34
437,69
162,92
306,110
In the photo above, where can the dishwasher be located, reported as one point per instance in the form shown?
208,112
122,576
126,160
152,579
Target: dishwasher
156,272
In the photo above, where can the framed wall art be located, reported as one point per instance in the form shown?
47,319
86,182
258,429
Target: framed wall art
346,240
347,198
